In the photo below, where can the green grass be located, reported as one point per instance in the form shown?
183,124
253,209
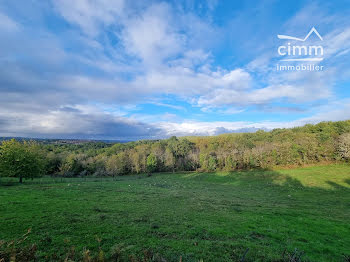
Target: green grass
209,216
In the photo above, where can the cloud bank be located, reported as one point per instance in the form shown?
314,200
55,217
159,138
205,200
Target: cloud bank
120,70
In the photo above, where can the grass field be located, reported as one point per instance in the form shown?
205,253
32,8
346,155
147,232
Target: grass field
209,216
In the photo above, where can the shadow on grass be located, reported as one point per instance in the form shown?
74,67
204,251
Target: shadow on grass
268,177
252,178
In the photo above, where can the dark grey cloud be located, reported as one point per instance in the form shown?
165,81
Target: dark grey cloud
74,123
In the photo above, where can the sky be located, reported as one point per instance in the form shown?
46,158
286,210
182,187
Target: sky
129,70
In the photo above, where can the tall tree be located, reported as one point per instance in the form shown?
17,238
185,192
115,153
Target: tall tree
152,163
118,164
22,160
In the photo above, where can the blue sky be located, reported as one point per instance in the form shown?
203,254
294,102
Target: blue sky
104,69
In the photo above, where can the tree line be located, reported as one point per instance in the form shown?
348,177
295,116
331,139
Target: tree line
323,142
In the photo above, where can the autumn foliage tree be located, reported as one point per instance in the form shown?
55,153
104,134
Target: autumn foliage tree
344,146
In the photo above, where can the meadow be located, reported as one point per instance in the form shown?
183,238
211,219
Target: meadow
258,215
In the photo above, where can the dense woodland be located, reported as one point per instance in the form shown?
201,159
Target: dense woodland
324,142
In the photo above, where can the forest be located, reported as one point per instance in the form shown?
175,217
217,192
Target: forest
325,142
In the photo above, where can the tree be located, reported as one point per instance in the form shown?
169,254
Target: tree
22,160
135,158
208,162
151,163
53,163
138,158
344,146
230,163
72,165
212,162
180,148
117,164
169,160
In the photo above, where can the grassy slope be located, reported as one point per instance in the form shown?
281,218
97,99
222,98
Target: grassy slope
211,216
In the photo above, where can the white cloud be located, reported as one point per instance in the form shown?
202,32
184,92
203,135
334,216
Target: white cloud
170,64
120,56
152,36
336,111
7,24
90,14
